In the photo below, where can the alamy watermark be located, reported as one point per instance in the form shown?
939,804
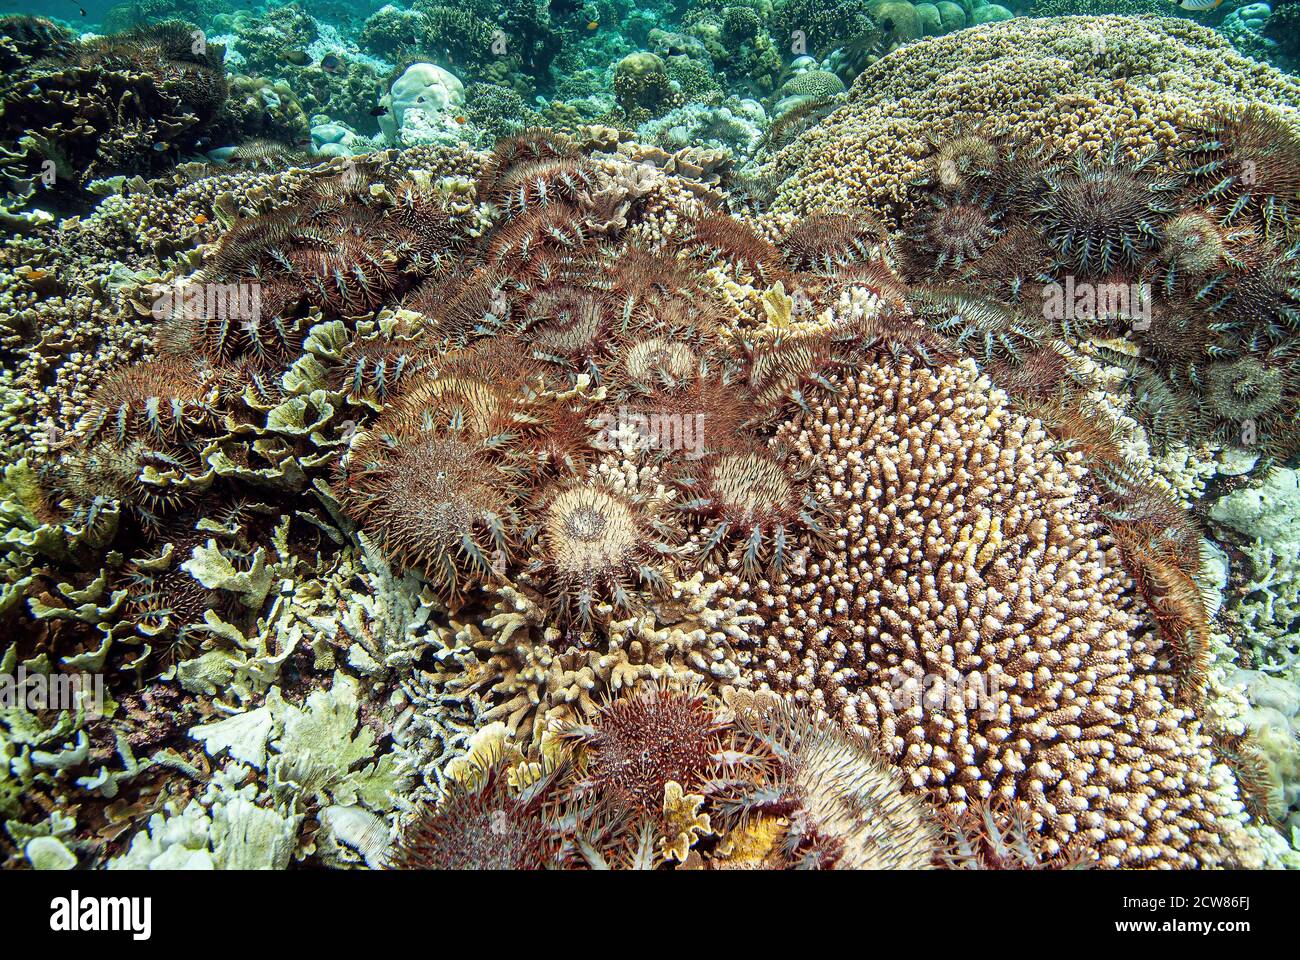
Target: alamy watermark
654,430
1074,300
969,693
87,914
210,301
53,691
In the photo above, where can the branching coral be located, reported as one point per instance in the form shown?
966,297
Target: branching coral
859,634
1091,84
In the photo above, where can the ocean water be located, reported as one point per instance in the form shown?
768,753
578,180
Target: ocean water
713,433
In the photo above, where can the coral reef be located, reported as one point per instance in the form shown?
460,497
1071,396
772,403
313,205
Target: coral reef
733,474
1261,522
665,776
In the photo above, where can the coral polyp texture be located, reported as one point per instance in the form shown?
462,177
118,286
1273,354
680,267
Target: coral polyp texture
1064,84
648,448
968,567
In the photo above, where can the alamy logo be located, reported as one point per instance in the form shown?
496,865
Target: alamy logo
653,431
73,914
1091,301
56,691
210,301
935,694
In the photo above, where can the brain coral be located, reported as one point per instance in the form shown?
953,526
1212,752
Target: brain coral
969,567
1078,82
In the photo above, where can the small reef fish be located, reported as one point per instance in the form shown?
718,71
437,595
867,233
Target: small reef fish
299,58
200,219
330,63
593,24
1197,6
378,111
